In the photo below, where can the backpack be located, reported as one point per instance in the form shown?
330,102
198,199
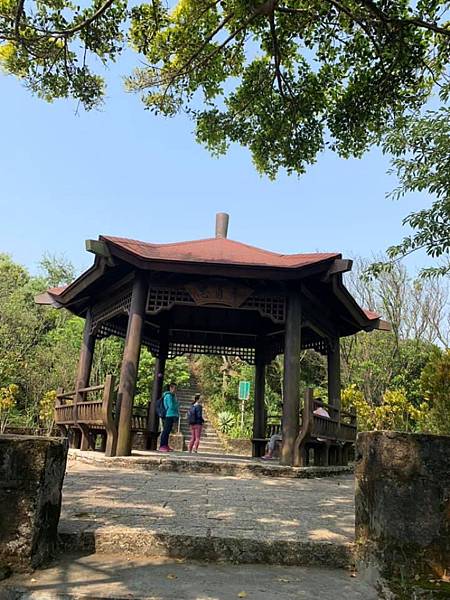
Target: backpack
161,410
192,416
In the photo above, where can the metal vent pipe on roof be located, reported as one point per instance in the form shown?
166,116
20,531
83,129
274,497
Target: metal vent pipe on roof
222,220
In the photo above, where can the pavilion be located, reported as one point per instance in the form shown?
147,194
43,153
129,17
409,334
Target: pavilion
212,296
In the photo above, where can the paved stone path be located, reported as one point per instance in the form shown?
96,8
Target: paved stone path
98,577
123,506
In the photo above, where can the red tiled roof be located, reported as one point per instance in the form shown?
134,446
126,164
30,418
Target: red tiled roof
56,291
217,250
371,315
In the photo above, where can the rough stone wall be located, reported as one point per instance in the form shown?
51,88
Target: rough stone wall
31,477
241,447
138,440
402,505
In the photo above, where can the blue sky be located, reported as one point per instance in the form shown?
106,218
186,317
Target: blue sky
122,171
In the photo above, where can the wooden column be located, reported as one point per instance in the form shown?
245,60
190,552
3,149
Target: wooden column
157,389
81,438
334,374
130,363
291,384
259,417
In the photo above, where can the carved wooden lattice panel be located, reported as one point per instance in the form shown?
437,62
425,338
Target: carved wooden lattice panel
104,311
163,298
268,306
179,348
321,346
107,329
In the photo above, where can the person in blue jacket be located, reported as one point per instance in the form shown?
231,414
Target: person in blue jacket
172,415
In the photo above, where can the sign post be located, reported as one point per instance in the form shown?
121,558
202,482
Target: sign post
244,394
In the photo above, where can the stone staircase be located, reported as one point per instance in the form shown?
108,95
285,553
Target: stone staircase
210,442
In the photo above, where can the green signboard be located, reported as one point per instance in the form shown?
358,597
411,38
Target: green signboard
244,390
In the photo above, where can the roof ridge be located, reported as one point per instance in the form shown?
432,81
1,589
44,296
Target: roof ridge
212,239
112,238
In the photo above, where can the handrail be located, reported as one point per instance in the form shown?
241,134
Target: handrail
92,388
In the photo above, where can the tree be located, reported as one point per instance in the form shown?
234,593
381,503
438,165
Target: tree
421,147
418,311
435,382
280,77
284,78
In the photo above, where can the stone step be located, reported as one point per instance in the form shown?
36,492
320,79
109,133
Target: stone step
127,541
233,466
102,576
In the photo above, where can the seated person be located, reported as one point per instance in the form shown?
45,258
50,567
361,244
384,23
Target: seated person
320,411
276,437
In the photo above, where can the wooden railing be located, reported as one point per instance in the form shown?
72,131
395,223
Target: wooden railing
86,415
338,429
91,410
348,426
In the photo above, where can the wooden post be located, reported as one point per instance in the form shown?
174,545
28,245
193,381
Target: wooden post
259,424
82,380
109,444
158,382
334,374
291,384
130,363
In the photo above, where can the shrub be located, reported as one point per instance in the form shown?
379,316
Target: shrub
226,421
394,411
47,410
435,387
8,396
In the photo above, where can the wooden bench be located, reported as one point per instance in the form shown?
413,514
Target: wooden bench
87,413
273,427
329,439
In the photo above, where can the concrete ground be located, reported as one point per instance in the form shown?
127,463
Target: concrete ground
314,510
103,576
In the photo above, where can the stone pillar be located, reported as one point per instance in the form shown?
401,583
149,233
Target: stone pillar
31,477
259,416
291,384
402,507
80,438
334,374
130,363
158,382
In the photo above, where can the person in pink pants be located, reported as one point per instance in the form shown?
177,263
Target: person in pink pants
195,417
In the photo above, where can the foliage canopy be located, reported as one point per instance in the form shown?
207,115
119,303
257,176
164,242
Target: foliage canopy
284,78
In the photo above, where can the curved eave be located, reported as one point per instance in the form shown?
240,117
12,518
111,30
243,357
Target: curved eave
365,321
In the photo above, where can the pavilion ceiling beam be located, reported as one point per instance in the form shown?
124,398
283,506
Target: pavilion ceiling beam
321,331
317,314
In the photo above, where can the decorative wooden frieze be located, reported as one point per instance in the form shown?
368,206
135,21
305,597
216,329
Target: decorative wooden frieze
273,307
104,311
164,298
179,348
109,328
218,293
321,345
